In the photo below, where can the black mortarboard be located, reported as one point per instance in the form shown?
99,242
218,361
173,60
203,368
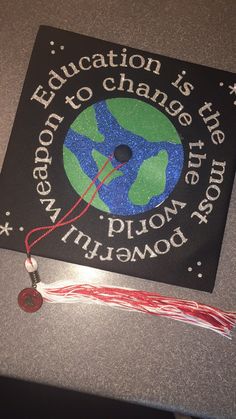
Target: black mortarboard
89,106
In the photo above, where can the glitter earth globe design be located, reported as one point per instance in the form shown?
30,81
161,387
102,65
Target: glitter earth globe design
151,173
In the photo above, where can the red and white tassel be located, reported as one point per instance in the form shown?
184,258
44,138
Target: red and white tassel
186,311
30,299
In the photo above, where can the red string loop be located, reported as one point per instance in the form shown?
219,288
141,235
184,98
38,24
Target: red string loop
49,229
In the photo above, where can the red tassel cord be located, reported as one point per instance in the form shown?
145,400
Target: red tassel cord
62,222
142,301
66,291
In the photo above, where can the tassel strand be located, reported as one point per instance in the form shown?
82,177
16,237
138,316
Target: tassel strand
191,312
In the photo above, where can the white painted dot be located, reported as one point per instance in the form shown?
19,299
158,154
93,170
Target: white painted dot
235,102
221,84
190,269
8,213
101,217
183,72
62,47
51,42
21,228
199,275
199,263
53,51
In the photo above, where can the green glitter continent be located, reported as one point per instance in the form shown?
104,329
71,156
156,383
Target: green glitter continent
86,124
151,179
143,120
79,180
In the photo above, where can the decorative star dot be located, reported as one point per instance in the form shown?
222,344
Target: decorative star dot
193,269
5,229
232,89
53,51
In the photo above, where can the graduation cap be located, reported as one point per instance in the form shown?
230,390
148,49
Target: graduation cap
120,159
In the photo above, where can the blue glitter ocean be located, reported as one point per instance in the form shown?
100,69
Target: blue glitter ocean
116,194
